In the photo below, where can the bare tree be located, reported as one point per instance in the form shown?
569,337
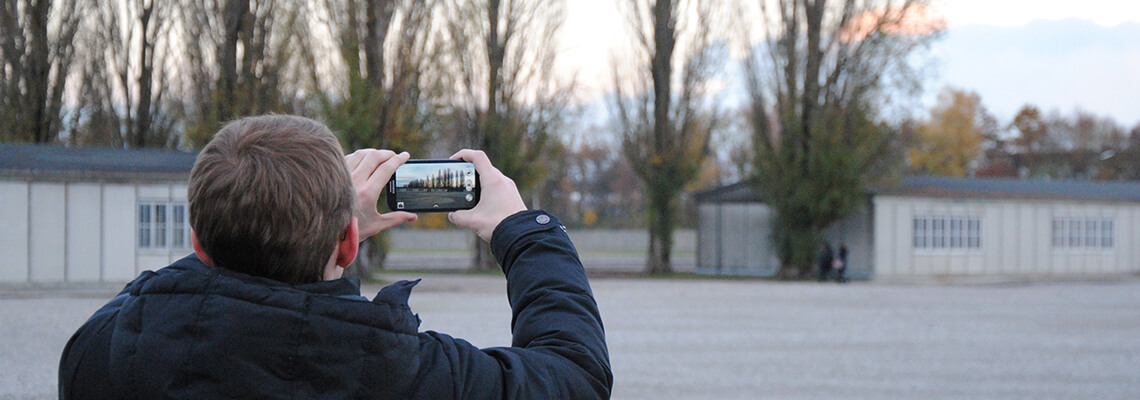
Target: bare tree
500,91
665,133
1082,145
125,76
37,43
817,82
374,95
241,58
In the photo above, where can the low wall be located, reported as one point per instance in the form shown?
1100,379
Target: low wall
586,240
600,249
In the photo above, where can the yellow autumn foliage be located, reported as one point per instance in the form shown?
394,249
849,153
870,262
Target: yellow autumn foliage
951,140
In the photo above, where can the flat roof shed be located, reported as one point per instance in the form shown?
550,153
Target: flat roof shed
90,214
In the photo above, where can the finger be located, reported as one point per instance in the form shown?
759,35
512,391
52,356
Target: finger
477,157
369,162
363,163
385,171
457,217
463,218
353,159
395,218
380,222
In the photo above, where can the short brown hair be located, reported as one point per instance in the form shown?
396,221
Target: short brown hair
271,196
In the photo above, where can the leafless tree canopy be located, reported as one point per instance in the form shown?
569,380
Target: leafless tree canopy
376,91
242,58
499,90
499,85
665,132
126,70
372,80
37,44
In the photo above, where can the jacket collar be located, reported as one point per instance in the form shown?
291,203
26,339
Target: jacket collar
337,287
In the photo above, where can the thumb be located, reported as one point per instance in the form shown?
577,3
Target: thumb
459,218
395,218
470,220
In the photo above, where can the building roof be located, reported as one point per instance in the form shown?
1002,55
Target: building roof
965,188
43,162
739,192
1010,188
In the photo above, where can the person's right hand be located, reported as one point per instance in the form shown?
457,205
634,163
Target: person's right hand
370,170
499,197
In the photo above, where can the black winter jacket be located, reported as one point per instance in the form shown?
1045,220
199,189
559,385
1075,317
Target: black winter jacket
195,332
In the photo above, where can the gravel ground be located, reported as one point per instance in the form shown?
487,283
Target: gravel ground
745,339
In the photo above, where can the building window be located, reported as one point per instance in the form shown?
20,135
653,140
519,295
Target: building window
943,232
146,214
179,228
1075,233
163,225
920,237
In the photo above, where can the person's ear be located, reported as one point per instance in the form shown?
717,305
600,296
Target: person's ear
198,250
349,245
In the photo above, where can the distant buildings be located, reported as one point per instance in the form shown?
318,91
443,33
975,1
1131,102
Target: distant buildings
80,215
932,227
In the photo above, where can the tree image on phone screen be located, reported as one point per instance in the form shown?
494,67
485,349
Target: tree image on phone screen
433,186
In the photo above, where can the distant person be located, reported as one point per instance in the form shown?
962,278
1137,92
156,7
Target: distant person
260,310
840,264
826,258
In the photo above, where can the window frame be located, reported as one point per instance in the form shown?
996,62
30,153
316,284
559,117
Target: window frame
1083,234
947,234
155,233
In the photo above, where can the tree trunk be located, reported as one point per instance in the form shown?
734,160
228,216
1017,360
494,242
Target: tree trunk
660,243
661,220
39,68
491,124
142,120
234,18
379,16
660,207
484,260
664,41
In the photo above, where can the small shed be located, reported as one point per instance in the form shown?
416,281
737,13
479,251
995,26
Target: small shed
90,215
933,227
734,228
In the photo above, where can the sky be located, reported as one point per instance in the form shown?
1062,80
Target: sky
1058,55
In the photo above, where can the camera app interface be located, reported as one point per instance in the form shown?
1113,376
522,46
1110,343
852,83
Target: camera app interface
430,186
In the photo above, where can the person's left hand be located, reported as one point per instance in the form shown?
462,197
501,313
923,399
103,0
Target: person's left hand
371,169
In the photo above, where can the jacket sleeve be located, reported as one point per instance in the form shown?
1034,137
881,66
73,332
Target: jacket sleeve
558,349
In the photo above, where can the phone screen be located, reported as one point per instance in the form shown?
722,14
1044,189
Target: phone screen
433,185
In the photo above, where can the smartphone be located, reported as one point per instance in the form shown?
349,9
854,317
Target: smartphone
433,186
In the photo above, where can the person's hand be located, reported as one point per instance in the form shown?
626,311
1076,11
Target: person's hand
371,169
499,197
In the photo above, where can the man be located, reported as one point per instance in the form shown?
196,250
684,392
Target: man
260,308
826,258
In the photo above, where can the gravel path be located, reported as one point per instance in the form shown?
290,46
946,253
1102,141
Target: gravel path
726,339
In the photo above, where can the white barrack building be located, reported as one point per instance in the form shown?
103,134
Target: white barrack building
929,227
89,215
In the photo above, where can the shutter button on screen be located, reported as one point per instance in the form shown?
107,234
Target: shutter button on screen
542,219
